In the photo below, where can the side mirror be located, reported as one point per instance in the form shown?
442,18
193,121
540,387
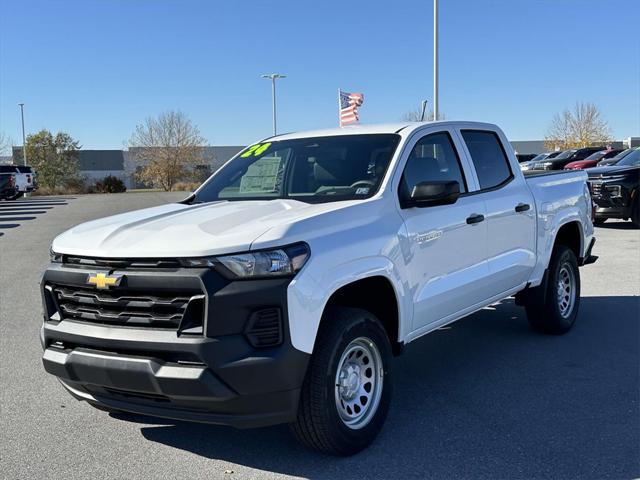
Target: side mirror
431,194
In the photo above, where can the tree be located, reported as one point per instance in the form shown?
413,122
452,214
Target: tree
414,115
55,158
5,144
167,149
582,127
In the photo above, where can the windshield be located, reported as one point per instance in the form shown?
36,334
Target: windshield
632,159
539,157
596,155
565,154
321,169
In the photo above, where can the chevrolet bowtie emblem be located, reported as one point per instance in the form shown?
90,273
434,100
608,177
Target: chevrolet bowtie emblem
103,281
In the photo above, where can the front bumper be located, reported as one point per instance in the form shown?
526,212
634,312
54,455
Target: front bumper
218,376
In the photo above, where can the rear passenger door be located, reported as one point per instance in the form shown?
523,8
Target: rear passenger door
510,211
447,243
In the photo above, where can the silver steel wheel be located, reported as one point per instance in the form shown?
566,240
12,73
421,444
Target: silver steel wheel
358,385
566,290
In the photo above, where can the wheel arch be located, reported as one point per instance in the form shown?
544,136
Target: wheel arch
375,294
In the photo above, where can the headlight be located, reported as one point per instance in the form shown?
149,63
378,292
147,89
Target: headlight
280,262
55,257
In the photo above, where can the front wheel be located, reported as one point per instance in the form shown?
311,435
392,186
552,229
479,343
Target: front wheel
346,393
635,211
557,313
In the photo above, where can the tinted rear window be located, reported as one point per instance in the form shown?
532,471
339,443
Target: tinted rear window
489,158
23,169
7,169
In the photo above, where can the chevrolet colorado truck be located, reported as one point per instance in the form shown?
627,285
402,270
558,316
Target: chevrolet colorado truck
281,289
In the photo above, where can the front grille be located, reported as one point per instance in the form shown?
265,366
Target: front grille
596,189
128,308
121,263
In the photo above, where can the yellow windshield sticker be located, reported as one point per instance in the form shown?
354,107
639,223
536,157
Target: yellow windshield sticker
256,150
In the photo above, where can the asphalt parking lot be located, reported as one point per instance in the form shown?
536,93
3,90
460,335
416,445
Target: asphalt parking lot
484,398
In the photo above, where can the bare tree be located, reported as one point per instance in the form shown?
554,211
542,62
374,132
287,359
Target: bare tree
580,127
5,144
415,115
167,149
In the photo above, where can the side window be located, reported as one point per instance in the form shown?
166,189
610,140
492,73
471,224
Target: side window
434,158
489,159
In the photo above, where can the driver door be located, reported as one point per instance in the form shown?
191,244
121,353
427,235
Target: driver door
448,243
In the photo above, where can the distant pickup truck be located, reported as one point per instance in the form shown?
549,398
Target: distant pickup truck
280,290
7,186
25,179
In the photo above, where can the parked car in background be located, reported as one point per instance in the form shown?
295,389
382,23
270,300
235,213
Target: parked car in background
25,178
538,158
568,156
615,189
592,160
612,161
525,157
7,186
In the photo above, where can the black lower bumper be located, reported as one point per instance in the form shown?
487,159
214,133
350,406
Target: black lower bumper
217,377
621,211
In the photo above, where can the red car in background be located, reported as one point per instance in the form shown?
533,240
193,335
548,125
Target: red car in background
592,160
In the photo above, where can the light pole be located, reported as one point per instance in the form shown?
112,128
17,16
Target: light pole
24,146
273,77
435,59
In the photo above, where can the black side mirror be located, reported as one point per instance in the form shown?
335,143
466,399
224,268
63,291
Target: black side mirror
431,194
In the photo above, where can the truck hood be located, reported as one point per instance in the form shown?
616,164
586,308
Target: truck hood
179,230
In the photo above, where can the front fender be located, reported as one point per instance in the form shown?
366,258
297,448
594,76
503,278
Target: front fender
307,295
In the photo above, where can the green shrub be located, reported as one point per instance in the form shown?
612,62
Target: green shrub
110,184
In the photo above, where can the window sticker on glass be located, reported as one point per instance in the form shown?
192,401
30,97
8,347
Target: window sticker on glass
256,150
362,191
262,176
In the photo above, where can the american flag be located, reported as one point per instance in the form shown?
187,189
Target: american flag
349,103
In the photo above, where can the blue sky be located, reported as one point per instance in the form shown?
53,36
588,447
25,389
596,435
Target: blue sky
96,68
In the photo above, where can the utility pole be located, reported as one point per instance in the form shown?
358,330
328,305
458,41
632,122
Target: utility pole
273,77
435,59
423,111
24,145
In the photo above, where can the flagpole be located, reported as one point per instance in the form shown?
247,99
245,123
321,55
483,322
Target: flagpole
435,61
339,105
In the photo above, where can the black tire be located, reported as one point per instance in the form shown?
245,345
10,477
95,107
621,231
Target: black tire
599,221
319,425
545,311
16,196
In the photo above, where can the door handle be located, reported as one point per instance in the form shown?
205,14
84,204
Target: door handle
522,207
475,218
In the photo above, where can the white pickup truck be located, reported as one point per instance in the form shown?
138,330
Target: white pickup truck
24,177
280,290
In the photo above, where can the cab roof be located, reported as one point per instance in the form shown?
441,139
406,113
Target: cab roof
401,127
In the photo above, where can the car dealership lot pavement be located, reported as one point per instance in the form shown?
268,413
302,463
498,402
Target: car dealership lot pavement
483,398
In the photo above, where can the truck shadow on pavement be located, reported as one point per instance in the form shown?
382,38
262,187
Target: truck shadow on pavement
485,398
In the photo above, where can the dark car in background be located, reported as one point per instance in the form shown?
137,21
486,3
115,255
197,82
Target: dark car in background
615,189
568,156
525,157
616,159
593,159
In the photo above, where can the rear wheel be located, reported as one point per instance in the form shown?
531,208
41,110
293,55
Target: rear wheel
347,390
556,309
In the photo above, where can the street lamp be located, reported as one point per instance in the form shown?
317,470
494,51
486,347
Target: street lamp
273,77
24,145
435,60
